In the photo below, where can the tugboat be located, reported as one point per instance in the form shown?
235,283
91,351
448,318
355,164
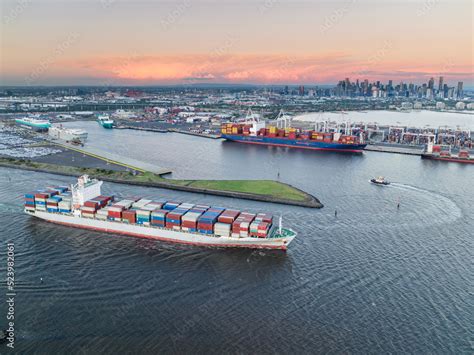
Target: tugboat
380,181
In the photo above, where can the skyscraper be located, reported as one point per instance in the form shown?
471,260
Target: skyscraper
440,86
431,83
460,94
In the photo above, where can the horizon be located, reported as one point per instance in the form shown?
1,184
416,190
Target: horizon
184,42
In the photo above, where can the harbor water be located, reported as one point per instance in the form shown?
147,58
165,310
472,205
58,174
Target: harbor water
373,279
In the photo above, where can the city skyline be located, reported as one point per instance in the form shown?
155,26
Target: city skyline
119,42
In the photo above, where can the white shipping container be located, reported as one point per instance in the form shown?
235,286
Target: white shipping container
235,235
40,207
101,217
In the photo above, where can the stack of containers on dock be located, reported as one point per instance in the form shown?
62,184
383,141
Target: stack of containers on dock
241,226
207,220
40,200
173,218
52,204
30,201
158,217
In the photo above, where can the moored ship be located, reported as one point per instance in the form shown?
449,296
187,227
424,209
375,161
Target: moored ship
105,121
36,124
83,206
443,153
258,133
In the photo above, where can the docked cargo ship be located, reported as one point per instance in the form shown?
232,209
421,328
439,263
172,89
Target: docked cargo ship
257,133
105,121
82,205
68,134
35,124
443,153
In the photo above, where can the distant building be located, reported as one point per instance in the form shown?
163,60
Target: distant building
460,94
440,86
460,105
417,106
470,106
407,106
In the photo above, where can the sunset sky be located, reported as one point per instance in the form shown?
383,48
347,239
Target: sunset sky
119,42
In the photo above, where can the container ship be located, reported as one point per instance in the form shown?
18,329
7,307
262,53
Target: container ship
82,205
35,124
443,153
105,121
258,133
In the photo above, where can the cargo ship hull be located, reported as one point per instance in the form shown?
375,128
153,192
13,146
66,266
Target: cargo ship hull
296,143
162,234
448,159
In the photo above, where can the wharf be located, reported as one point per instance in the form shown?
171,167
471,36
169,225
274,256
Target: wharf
164,130
394,149
111,158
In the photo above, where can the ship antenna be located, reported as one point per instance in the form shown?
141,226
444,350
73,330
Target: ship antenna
279,225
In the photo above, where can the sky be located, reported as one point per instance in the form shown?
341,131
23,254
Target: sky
154,42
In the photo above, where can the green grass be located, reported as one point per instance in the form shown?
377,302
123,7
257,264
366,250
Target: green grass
269,188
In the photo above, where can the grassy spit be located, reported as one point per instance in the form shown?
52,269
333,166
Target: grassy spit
263,190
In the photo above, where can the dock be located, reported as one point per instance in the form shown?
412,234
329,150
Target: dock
392,149
111,158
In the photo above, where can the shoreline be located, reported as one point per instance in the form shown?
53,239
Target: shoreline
309,202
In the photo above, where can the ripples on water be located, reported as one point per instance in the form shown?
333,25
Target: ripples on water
375,279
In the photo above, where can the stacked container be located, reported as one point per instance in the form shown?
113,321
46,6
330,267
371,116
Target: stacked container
190,219
115,212
66,203
140,203
102,214
170,205
40,200
207,219
241,226
52,204
158,218
222,229
228,216
173,218
129,216
143,216
30,201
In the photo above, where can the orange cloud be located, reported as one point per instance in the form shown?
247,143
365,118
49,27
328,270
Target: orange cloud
257,68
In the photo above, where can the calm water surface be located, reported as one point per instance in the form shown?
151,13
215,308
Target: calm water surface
373,280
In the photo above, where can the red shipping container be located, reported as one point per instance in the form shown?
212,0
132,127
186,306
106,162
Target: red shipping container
91,203
113,214
188,224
